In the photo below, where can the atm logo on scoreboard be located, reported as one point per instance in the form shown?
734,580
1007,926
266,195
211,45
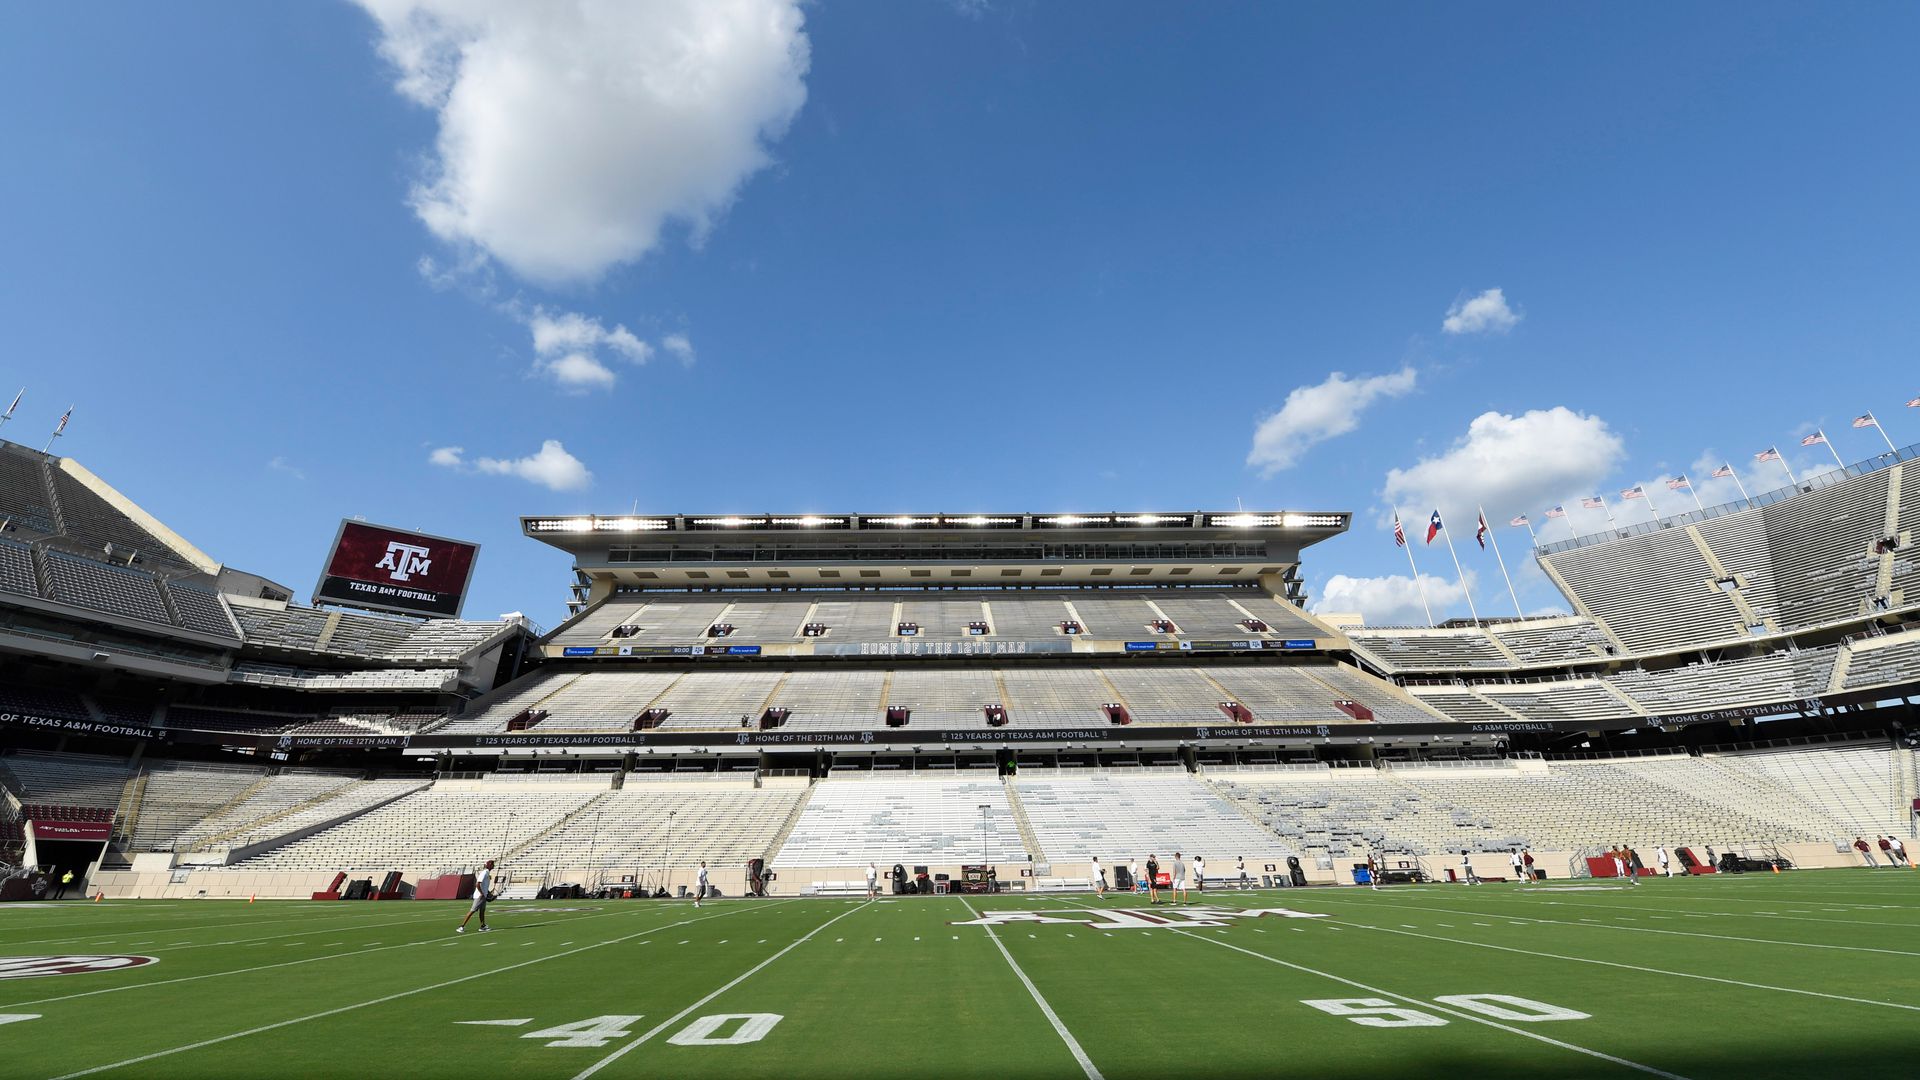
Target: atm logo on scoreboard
402,561
33,967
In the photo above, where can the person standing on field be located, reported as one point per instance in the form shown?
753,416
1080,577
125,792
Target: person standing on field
1373,871
1240,867
482,896
1179,878
1133,874
1660,857
1866,853
1900,853
1519,868
1153,880
1200,873
1098,877
700,886
873,882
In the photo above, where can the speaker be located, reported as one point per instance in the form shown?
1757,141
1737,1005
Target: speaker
1297,875
1122,880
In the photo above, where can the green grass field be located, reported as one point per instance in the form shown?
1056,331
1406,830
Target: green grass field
1763,975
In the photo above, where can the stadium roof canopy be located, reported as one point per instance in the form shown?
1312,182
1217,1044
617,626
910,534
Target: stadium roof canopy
691,551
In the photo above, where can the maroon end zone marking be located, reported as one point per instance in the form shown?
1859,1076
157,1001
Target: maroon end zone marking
33,967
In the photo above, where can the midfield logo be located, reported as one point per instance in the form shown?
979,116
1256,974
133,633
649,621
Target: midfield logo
1172,918
402,561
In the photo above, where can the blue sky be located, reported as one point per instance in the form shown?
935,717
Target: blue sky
298,262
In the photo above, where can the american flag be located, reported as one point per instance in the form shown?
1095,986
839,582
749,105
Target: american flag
1769,454
1723,472
16,401
1593,502
1399,534
1434,527
1914,404
1520,522
1814,439
1557,512
1679,483
1480,534
1634,492
1865,420
64,417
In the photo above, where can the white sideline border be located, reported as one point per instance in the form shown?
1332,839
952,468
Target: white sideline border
143,1058
682,1014
1059,1028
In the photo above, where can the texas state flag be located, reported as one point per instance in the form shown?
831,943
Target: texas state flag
1433,526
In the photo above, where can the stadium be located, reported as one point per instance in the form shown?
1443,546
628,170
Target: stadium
1106,541
759,711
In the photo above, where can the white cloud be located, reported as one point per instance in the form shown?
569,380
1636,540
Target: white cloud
1393,600
679,347
1314,414
574,349
1511,465
551,467
1486,313
571,133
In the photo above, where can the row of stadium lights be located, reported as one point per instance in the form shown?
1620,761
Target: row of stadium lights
1229,521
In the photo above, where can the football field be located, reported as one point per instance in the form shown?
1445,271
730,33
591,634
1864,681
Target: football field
1803,973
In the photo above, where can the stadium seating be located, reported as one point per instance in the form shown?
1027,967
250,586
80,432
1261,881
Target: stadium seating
437,830
17,574
1424,649
890,819
116,590
272,797
1879,661
1077,816
669,821
171,799
1569,640
66,779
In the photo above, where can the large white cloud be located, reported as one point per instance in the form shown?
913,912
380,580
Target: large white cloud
572,131
551,467
1314,414
1511,465
1487,313
1393,600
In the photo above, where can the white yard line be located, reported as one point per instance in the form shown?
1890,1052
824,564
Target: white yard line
1456,1013
143,1058
1060,1029
682,1014
1644,968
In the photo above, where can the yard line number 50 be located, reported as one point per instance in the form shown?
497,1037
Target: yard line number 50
1380,1013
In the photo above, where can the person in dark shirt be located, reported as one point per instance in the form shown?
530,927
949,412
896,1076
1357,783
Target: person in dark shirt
1153,880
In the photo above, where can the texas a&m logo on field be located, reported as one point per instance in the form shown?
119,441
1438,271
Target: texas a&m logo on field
1170,918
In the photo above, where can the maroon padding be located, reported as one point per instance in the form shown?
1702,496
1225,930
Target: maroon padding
1600,865
1354,709
333,891
444,887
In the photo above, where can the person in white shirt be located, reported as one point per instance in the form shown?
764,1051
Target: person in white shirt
1133,874
482,893
1240,867
700,887
1899,852
1519,868
1200,873
873,882
1466,869
1660,856
1097,876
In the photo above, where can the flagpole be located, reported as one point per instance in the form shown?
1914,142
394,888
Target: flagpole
1695,492
1744,497
1448,533
58,430
23,393
1527,520
1831,450
1884,437
1782,459
1608,510
1501,559
1400,534
1648,495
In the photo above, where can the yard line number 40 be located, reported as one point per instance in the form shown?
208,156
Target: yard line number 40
1380,1013
740,1028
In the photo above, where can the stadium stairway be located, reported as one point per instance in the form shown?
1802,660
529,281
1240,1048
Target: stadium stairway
128,816
1841,663
786,827
252,827
1028,838
1245,810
